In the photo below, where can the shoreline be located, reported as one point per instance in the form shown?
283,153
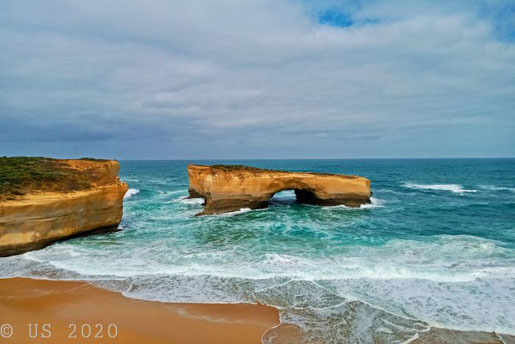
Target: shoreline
61,304
83,310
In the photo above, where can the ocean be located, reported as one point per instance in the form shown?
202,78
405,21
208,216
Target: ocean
436,247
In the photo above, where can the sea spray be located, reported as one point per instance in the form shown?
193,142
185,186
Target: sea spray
130,193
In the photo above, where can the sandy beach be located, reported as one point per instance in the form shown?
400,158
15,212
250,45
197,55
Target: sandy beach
81,313
67,306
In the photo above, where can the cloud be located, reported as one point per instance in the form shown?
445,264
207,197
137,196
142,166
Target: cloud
196,79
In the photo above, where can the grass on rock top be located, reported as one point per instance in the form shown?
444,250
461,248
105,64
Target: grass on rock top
19,175
228,168
238,167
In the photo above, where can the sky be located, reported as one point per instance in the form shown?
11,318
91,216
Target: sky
232,79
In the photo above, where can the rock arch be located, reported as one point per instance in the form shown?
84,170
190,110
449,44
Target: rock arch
227,188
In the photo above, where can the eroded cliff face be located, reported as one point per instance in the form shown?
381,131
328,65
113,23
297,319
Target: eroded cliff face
227,188
54,212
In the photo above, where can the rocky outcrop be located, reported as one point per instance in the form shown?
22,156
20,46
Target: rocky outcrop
227,188
49,213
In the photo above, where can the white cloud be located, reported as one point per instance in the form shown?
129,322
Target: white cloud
262,70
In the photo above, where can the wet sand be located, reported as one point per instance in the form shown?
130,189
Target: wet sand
82,311
62,304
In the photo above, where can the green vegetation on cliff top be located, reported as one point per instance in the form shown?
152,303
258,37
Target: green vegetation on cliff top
238,167
19,175
228,168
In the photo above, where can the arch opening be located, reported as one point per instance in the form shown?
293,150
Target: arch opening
283,197
289,196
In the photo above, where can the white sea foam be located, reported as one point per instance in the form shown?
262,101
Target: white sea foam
374,203
398,259
425,279
130,193
187,200
496,188
236,212
456,188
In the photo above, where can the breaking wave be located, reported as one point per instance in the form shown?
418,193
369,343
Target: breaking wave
374,203
456,188
497,188
190,201
130,193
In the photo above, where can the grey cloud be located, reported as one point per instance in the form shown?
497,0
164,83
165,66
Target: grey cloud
256,78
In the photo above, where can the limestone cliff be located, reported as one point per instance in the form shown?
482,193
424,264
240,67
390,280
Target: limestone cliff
227,188
68,198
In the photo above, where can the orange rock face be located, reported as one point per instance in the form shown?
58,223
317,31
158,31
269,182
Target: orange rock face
40,218
227,188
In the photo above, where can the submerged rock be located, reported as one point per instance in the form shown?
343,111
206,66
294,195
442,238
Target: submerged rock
228,188
44,200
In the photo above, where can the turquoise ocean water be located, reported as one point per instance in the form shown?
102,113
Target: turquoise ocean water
435,247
